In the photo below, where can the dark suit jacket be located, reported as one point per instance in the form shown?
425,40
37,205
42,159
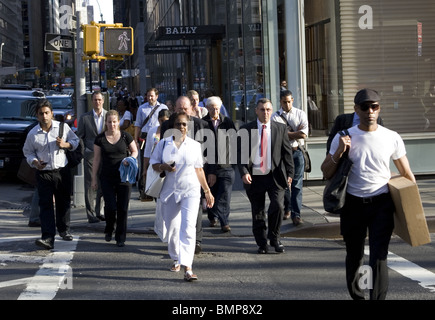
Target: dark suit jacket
282,165
343,121
87,131
225,124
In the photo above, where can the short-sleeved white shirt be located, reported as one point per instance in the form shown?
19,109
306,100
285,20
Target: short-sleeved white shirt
183,183
371,154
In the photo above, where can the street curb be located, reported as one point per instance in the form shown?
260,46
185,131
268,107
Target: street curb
332,230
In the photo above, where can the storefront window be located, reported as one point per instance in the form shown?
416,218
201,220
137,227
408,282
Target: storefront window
388,46
244,57
229,64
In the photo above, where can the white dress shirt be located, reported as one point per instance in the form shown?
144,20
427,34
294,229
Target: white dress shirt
257,158
41,145
99,121
297,119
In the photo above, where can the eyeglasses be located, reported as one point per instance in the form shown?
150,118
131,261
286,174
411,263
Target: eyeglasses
366,106
180,124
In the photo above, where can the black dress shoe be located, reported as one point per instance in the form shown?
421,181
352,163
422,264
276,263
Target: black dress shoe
262,250
101,218
66,236
45,243
120,243
34,224
278,246
108,237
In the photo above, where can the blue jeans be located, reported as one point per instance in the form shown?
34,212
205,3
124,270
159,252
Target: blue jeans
293,194
221,191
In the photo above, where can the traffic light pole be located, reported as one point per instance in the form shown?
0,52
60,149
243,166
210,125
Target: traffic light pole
80,100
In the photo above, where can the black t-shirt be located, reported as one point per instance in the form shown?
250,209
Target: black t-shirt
113,154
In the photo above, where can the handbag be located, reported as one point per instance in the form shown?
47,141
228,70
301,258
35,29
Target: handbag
154,182
334,194
307,159
26,173
74,157
159,223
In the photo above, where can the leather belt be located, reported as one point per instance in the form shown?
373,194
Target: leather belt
369,200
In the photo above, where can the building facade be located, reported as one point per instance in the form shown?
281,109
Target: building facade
326,50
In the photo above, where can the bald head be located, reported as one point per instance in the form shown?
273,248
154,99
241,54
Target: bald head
184,104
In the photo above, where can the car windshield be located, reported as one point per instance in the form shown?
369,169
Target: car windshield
17,108
60,102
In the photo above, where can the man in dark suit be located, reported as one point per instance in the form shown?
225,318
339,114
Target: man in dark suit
89,126
269,170
342,122
219,171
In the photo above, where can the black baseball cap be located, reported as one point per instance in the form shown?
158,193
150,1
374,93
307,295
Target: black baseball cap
366,95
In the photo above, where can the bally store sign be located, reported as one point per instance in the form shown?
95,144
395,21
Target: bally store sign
190,32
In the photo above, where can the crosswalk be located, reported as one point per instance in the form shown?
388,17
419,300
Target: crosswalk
410,270
53,274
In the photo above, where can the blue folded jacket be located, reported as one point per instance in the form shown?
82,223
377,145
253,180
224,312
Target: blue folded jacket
129,173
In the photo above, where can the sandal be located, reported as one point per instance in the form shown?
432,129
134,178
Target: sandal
175,267
189,276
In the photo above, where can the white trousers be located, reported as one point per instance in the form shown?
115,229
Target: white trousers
180,220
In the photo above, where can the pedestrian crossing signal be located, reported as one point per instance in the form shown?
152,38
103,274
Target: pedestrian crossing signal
118,41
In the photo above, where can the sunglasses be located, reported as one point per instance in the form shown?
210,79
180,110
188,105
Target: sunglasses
180,124
366,106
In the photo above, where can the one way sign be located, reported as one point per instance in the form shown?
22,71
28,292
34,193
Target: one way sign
58,43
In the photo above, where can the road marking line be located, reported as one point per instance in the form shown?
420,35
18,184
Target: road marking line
21,258
424,277
410,270
48,279
13,283
11,239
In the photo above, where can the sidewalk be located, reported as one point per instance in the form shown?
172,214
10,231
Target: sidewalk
317,222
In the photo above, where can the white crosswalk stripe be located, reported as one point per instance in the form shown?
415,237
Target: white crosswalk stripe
53,274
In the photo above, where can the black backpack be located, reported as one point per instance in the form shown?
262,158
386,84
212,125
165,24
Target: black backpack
74,157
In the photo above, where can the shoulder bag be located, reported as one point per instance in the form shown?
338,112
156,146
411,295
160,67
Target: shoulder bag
154,181
74,157
334,194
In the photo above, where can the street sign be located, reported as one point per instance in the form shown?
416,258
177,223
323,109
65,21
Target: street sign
58,43
118,41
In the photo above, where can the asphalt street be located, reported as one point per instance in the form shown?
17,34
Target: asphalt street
229,268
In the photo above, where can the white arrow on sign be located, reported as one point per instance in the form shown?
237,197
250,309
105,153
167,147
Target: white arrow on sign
59,43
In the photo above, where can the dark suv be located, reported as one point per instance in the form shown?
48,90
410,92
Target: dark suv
63,109
17,118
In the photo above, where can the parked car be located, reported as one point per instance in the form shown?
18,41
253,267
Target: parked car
17,118
63,108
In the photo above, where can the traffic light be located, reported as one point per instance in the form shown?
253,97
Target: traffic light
56,57
118,41
91,39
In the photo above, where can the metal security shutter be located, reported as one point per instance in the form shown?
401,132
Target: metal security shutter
395,57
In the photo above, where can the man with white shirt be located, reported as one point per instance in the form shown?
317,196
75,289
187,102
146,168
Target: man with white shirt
46,152
147,117
90,125
369,208
296,121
